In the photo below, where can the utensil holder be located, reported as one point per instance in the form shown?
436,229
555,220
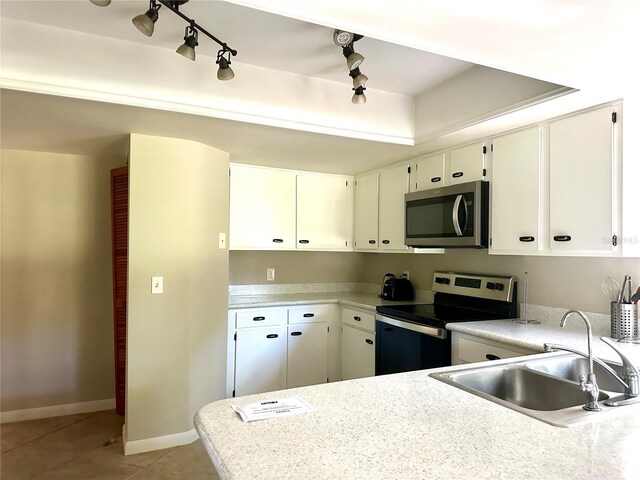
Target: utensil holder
624,320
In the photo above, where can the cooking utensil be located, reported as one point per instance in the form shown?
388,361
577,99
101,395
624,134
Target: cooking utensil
626,284
611,288
636,296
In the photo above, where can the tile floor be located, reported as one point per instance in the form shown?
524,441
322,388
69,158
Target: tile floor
89,447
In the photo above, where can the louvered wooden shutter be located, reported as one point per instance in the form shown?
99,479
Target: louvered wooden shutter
119,229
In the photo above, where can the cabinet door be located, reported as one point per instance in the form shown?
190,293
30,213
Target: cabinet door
581,188
262,208
307,355
394,183
358,353
428,172
366,212
260,360
515,196
324,212
466,164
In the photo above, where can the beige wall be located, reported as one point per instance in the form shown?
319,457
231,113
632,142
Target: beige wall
57,327
250,267
566,282
176,341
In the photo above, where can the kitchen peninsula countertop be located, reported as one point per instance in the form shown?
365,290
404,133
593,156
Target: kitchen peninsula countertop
410,425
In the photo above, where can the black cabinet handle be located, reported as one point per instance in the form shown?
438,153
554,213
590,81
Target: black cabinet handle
296,334
457,174
369,341
386,242
272,335
527,239
435,179
277,240
303,241
258,319
357,319
562,238
309,315
372,242
491,356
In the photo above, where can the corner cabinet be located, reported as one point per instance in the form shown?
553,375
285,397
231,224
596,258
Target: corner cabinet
324,212
262,208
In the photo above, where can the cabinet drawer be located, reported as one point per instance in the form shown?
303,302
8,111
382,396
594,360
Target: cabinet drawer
310,314
265,317
357,318
468,350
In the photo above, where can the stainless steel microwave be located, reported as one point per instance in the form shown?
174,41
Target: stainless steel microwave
449,217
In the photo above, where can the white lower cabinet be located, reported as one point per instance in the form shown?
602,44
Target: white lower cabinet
469,349
274,348
358,345
307,354
260,360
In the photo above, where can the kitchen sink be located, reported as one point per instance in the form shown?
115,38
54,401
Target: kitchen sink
543,388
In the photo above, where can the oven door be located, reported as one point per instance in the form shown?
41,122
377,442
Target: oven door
404,346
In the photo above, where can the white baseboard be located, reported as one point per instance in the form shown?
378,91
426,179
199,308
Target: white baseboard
57,410
132,447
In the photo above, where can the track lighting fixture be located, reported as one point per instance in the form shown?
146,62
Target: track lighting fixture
188,48
342,38
145,22
224,70
359,79
359,97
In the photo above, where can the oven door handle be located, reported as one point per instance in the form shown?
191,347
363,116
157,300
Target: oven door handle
454,214
424,329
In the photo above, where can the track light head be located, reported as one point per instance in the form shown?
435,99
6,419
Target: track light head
342,38
224,70
354,59
359,97
101,3
145,21
359,79
188,48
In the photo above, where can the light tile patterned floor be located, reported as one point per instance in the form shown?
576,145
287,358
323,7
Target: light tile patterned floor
89,447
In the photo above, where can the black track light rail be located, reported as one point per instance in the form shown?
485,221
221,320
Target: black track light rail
173,6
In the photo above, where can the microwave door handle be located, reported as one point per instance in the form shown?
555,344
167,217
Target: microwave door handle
454,214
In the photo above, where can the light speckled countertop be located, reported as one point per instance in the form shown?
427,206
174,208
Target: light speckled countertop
408,426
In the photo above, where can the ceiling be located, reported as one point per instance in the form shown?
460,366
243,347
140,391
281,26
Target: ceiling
529,41
262,39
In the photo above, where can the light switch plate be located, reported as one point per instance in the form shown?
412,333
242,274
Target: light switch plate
222,240
157,284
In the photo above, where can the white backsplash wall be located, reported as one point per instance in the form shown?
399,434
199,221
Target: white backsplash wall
250,267
564,282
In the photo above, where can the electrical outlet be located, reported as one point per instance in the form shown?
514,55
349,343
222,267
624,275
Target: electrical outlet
271,274
222,240
157,284
406,274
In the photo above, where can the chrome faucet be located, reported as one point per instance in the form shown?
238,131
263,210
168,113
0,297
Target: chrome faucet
589,385
631,380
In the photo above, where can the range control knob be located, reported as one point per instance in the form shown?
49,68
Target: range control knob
491,285
439,280
499,286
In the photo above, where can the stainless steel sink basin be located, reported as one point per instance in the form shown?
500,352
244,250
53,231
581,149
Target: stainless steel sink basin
522,387
543,388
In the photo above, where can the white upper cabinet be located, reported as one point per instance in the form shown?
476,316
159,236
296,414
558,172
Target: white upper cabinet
582,184
366,211
324,212
262,208
427,172
466,164
394,183
515,193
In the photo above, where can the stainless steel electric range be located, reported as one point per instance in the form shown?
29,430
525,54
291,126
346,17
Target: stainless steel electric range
414,337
